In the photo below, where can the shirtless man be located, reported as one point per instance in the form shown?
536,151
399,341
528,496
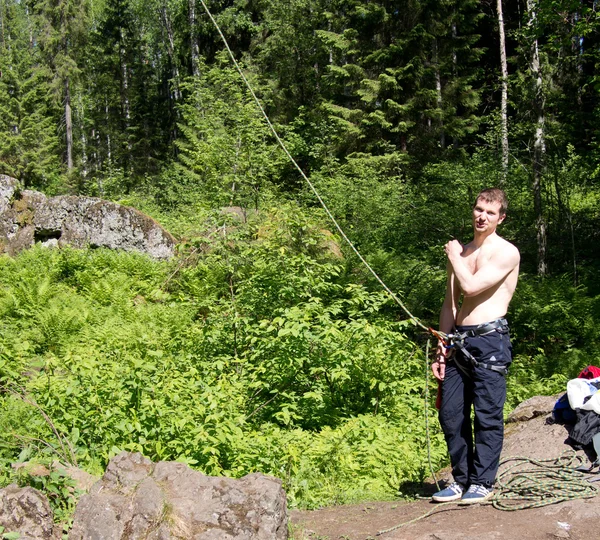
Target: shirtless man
472,373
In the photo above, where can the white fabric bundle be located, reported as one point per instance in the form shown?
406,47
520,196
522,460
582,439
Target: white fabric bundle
579,389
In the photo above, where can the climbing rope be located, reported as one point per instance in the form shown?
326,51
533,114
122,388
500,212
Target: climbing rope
427,435
436,510
415,320
531,483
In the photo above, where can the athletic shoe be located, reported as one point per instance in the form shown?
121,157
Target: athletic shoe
477,494
452,493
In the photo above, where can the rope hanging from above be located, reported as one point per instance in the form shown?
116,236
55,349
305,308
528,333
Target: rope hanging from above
415,320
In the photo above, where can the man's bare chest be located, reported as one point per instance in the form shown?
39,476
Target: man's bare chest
475,259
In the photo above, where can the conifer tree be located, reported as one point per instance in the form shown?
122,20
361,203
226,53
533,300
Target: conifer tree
226,152
28,137
63,31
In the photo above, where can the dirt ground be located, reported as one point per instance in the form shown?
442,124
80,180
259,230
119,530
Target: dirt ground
534,438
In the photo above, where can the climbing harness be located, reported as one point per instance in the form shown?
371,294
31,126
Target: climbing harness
457,341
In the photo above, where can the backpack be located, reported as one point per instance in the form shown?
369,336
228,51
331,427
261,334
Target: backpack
562,412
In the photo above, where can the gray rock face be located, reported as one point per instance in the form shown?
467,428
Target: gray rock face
29,216
532,408
139,499
26,511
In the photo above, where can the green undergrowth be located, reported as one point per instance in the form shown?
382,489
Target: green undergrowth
253,350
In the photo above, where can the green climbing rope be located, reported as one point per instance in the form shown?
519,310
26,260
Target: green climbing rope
427,414
435,510
531,483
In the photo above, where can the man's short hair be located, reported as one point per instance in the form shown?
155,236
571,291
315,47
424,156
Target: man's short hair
492,195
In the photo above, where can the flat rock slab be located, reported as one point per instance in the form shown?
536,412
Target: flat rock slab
137,498
534,437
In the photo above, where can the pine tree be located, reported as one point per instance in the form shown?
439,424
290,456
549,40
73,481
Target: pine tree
28,136
62,37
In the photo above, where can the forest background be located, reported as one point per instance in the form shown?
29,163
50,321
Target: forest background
260,346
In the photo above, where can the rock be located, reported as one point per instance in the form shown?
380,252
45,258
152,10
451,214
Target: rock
83,480
32,469
532,408
139,499
30,216
26,511
8,187
237,213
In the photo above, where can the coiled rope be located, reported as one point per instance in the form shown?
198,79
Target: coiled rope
530,483
415,320
541,482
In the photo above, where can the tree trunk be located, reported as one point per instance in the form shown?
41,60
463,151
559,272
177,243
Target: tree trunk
124,85
84,152
29,26
2,39
454,70
438,91
125,102
504,98
108,140
69,125
539,143
566,211
195,49
171,50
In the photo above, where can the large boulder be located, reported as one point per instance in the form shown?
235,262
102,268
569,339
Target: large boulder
26,511
29,216
137,498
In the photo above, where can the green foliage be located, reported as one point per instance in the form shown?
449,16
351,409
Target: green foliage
263,345
226,153
556,326
255,353
28,140
58,486
524,380
256,350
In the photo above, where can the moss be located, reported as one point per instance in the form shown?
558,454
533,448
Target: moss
24,212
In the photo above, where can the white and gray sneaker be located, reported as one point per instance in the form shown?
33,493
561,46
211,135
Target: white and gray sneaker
477,494
452,493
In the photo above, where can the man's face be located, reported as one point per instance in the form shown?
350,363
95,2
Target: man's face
486,216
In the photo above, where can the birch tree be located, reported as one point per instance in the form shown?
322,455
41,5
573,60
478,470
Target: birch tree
539,141
504,96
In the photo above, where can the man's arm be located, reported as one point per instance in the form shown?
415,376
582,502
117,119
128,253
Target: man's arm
447,320
491,273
